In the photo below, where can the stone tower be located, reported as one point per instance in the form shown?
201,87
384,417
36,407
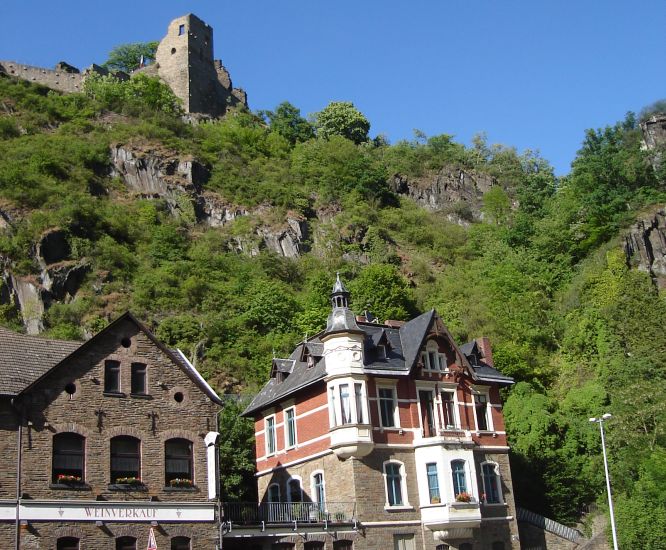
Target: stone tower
184,60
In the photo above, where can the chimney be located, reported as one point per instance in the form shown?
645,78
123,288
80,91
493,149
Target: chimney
486,350
393,324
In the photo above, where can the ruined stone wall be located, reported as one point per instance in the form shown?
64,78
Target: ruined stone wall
60,80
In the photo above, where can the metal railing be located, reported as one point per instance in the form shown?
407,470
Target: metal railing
254,513
562,531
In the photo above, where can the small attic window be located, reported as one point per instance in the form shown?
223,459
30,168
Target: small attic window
310,361
281,376
181,30
381,351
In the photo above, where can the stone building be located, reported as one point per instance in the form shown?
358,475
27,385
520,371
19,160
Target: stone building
377,436
184,60
105,444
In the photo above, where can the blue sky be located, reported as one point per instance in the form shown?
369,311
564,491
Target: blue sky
530,74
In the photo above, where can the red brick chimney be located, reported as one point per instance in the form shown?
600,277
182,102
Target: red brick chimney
486,350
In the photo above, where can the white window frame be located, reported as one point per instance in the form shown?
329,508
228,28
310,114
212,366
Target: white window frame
456,407
313,485
498,482
286,428
268,493
435,404
433,347
489,416
403,486
267,437
381,351
335,402
396,411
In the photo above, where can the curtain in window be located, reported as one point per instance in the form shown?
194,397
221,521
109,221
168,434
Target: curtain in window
178,459
125,457
345,405
68,456
358,394
433,482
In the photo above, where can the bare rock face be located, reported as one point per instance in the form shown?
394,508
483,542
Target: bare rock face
455,191
645,246
154,174
654,137
64,279
28,296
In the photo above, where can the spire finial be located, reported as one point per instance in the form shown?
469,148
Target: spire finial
339,295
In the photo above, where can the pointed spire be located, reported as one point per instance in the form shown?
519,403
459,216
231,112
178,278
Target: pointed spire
340,294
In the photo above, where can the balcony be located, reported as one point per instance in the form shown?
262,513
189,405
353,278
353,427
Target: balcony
351,440
452,519
265,513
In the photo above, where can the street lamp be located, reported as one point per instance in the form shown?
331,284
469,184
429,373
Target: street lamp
600,421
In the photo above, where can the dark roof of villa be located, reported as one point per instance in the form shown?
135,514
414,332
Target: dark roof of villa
402,346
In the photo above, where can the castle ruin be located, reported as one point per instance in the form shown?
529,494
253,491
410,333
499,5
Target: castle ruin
184,61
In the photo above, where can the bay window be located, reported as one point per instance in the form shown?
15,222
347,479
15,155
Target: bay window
347,403
459,477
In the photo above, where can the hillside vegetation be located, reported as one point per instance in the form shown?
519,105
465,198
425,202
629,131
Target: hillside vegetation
542,274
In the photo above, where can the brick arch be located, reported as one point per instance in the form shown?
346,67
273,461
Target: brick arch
180,434
68,531
126,530
73,427
126,430
181,531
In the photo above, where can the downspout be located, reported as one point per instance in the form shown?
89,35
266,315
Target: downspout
19,457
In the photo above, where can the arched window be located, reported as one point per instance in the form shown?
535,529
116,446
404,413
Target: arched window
343,545
274,507
459,478
126,543
68,458
393,474
125,459
181,543
67,543
491,483
178,461
294,490
318,490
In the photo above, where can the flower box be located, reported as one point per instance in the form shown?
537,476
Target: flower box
181,482
463,497
134,481
64,479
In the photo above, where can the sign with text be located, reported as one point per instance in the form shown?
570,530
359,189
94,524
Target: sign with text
116,511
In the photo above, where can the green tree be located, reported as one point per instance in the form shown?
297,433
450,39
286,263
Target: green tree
127,57
383,291
341,118
287,121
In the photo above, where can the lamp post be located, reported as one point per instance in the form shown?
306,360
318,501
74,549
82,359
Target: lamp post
600,421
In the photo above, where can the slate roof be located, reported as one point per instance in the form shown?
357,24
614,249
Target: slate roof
402,354
24,359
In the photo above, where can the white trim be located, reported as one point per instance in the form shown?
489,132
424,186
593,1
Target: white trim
312,411
293,463
390,523
300,446
286,428
492,448
396,411
299,480
403,486
313,490
266,438
505,518
497,481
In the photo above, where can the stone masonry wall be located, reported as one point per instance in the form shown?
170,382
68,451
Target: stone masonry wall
153,419
8,447
56,79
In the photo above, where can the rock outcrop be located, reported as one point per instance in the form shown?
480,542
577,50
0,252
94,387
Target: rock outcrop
645,246
654,137
456,192
156,173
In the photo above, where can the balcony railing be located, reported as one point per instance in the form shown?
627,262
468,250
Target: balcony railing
255,513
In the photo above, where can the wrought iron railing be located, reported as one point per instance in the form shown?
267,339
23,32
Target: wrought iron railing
253,513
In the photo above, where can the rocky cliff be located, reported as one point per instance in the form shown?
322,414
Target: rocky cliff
454,191
179,181
645,245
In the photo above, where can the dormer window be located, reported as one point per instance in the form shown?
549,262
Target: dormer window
381,351
310,361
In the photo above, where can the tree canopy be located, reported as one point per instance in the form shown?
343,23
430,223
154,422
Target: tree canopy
127,57
341,118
